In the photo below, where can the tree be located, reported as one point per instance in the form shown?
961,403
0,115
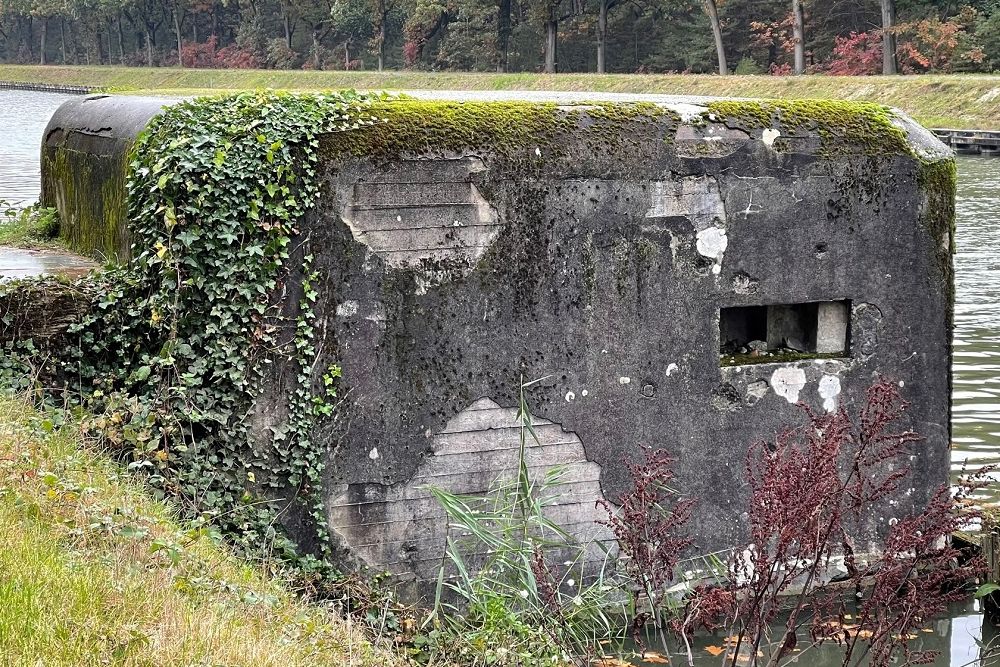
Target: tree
889,62
503,35
720,49
602,32
381,19
352,22
318,17
550,13
799,37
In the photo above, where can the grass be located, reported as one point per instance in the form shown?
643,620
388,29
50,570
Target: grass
959,101
95,572
30,227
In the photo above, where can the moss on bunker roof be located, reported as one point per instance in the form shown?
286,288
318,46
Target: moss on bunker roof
844,124
416,125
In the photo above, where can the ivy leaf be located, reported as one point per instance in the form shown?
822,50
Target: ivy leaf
170,217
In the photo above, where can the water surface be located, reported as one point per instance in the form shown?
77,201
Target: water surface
23,116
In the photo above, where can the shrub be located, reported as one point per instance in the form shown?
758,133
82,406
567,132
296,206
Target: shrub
280,56
857,54
748,65
810,493
28,225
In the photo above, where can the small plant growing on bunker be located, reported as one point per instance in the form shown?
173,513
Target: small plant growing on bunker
514,587
811,492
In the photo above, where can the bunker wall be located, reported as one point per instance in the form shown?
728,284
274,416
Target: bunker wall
677,275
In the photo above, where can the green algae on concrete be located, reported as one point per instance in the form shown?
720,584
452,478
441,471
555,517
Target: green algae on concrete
842,125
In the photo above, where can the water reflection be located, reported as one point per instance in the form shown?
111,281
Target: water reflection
961,639
17,263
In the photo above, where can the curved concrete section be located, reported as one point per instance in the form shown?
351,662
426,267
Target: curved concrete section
84,158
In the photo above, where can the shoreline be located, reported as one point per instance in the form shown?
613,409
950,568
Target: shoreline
934,100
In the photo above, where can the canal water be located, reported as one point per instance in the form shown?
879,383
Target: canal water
976,397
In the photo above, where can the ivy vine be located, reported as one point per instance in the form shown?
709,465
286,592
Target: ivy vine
176,349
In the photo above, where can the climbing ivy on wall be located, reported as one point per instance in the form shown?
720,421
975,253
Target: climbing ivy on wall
177,348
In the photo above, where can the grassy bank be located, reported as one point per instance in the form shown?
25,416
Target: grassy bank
962,101
95,572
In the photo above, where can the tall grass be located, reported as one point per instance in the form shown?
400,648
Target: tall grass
95,572
514,587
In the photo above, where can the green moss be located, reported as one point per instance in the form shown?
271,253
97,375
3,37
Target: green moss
628,111
775,358
506,128
842,126
415,126
92,187
937,180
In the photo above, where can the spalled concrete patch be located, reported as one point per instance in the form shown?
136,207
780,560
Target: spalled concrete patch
418,210
402,529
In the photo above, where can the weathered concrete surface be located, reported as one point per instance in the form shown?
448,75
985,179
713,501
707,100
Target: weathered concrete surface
601,262
84,155
603,268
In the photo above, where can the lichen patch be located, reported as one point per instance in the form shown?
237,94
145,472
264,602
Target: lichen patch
787,382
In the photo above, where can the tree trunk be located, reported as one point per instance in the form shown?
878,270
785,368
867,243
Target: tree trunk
347,54
381,43
720,49
889,64
551,37
503,36
62,38
177,32
41,40
799,37
149,48
194,28
121,42
381,14
602,37
288,30
30,38
315,39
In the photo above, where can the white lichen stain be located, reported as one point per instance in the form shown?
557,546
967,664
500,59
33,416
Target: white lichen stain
829,390
769,135
347,309
570,397
671,368
712,243
787,382
584,392
373,454
624,380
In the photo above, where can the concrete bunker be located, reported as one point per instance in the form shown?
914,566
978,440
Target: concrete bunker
616,249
